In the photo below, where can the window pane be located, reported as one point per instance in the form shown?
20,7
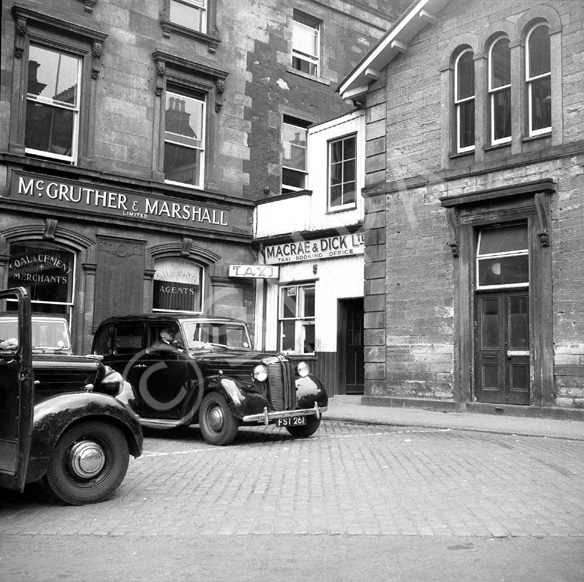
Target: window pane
309,301
177,285
500,64
501,114
294,146
336,151
349,194
305,38
466,124
293,179
349,171
490,334
504,270
309,339
349,145
53,75
503,240
288,337
465,76
518,323
336,195
182,164
190,15
539,52
541,103
289,302
184,116
49,129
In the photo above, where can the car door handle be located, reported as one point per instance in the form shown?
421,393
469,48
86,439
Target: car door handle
140,366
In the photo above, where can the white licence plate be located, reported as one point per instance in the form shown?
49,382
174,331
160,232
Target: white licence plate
291,421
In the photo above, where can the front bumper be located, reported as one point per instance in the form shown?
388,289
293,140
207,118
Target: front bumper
266,417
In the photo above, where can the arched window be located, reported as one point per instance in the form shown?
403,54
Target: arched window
178,286
47,271
500,91
538,78
464,101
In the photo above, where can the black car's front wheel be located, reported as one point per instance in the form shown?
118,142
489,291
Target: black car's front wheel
305,430
88,464
218,425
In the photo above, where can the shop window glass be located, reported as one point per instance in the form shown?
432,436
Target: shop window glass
178,286
47,272
297,312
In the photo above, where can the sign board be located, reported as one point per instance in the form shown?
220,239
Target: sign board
254,271
124,204
342,245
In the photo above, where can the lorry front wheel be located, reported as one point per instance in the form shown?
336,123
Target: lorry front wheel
88,464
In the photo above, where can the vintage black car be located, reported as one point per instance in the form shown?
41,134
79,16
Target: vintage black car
186,369
59,419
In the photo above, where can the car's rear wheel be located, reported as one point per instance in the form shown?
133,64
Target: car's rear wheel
88,464
305,430
218,425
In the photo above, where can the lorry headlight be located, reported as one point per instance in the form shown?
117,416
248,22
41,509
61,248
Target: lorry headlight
260,373
303,369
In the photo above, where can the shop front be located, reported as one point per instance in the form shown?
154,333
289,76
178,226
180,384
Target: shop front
89,249
315,306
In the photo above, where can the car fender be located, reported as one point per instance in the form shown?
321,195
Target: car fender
55,415
309,389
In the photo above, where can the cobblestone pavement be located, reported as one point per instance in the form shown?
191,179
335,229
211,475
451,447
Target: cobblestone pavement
349,479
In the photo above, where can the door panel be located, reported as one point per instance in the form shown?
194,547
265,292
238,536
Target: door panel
502,348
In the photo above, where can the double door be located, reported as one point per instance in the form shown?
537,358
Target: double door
502,359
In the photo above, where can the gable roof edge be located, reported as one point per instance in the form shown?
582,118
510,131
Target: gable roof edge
395,41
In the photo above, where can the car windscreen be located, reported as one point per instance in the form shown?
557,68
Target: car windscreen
47,333
200,334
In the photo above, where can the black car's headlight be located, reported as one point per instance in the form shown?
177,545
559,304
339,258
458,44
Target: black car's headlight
260,373
303,369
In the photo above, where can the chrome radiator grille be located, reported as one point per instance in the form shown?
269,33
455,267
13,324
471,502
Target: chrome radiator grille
282,386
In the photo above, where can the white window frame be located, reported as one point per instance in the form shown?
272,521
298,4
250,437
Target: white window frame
501,255
493,91
530,82
183,141
301,321
75,108
200,6
311,26
458,103
288,120
349,205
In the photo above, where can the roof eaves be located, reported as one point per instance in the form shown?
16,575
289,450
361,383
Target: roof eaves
393,43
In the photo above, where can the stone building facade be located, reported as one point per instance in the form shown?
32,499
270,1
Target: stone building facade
136,136
474,260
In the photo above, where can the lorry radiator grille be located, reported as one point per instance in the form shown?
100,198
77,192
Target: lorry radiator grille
282,385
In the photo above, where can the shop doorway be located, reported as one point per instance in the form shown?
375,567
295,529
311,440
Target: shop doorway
351,351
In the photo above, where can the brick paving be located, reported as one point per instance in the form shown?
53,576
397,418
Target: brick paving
350,479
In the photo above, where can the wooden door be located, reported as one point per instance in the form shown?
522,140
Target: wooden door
502,348
351,349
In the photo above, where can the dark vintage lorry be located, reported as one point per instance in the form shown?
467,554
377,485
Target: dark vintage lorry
59,419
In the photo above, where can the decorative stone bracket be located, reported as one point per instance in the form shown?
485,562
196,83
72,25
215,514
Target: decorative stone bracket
543,214
452,217
89,4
